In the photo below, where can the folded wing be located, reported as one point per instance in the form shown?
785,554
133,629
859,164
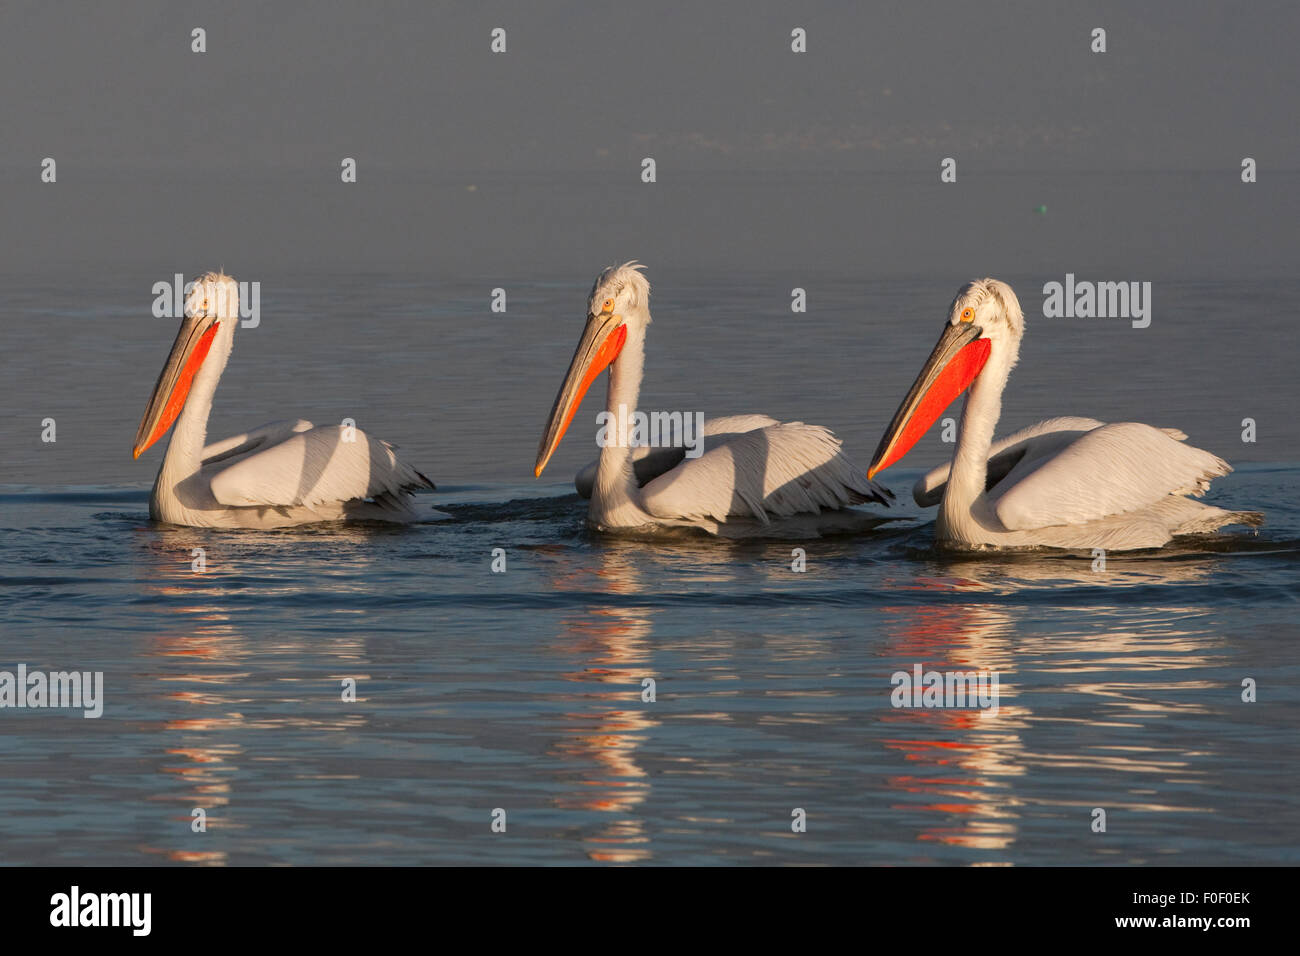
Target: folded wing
775,471
330,464
251,440
650,463
1110,470
1036,441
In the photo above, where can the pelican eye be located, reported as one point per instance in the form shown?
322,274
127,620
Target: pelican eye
968,315
608,306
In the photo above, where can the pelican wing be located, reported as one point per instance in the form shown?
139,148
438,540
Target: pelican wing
259,437
737,424
650,463
1111,470
315,467
1028,444
776,471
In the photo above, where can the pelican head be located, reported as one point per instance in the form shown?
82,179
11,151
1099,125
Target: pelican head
625,286
212,305
984,316
619,299
214,294
993,307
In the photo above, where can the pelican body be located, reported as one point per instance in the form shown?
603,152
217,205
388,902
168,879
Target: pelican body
1066,482
752,469
281,474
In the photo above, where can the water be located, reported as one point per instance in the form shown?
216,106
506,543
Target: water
1119,689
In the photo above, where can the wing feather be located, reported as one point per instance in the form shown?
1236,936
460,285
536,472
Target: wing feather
255,438
650,463
1036,441
1111,470
315,467
774,471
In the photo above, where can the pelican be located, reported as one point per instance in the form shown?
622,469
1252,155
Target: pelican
1063,483
285,473
752,469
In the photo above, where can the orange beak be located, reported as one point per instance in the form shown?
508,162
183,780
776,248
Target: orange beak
188,352
956,361
600,344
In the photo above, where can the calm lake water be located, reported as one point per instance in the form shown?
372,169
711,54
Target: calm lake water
1120,689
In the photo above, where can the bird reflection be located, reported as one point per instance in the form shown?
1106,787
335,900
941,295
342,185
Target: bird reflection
964,759
610,720
971,772
202,669
1029,570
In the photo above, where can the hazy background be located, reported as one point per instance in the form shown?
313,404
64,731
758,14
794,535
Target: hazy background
174,161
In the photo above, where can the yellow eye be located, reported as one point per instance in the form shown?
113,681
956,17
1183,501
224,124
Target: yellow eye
608,306
967,315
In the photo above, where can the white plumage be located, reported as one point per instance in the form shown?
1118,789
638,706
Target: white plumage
753,469
283,473
776,471
1065,482
315,468
648,462
1114,469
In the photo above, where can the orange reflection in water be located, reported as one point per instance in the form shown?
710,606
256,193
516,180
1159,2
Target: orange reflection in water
965,758
605,731
970,765
202,751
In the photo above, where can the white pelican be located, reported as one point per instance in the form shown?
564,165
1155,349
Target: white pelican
1065,482
752,469
284,473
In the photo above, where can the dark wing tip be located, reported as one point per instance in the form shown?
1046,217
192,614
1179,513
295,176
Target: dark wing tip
880,494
